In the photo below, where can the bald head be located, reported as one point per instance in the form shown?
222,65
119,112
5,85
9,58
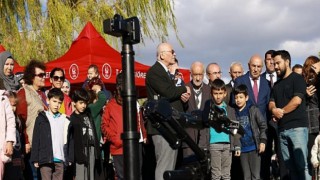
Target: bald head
255,66
196,65
166,54
197,73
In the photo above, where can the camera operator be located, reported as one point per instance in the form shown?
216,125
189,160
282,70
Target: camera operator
159,84
200,93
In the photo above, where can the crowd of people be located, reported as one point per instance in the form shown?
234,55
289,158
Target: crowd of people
65,133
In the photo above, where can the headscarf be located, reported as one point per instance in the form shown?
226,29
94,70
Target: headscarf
68,82
10,82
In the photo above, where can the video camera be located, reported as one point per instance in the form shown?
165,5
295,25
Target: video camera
169,123
128,29
218,120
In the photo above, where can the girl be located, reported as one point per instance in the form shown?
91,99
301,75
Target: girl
13,170
7,131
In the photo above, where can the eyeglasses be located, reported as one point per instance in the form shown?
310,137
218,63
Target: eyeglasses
172,51
41,75
236,72
196,75
56,78
214,73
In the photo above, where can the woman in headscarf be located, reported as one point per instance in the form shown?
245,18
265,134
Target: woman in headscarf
7,63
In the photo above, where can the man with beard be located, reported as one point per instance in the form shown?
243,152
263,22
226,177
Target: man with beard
200,93
288,107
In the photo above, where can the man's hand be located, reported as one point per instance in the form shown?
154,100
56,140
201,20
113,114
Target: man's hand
311,90
237,153
36,165
262,147
185,96
28,148
277,113
9,148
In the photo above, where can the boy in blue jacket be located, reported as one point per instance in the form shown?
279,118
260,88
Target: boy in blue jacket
253,142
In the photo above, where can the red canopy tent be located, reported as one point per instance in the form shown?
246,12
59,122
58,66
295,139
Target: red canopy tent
91,48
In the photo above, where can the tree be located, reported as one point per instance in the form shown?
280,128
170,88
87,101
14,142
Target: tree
45,29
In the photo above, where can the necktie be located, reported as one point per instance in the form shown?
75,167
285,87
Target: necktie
170,75
271,79
197,94
255,90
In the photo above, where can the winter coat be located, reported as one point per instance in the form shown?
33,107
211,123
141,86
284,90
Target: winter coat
7,123
42,151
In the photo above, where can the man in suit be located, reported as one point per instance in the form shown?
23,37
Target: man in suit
236,70
159,83
200,93
213,72
258,87
270,73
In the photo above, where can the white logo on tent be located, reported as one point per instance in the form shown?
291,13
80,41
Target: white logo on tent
106,71
74,71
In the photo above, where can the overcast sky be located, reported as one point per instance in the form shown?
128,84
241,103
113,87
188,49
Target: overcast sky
224,31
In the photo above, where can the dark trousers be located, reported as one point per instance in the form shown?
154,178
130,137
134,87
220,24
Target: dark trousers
250,162
272,141
118,164
30,172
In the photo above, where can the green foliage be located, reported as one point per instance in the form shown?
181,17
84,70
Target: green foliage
30,31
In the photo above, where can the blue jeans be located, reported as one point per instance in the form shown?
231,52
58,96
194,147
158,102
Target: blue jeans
293,144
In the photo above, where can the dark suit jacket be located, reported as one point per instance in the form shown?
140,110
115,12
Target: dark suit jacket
228,98
264,92
159,83
201,137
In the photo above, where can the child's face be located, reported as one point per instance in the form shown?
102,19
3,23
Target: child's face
241,100
218,96
13,103
80,106
65,88
54,104
92,73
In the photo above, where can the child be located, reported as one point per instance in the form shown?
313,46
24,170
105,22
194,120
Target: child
222,140
50,137
86,144
254,140
315,154
7,131
13,169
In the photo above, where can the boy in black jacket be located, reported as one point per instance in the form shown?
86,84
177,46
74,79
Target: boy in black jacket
83,132
50,138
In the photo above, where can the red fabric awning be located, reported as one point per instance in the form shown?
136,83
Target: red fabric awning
91,48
